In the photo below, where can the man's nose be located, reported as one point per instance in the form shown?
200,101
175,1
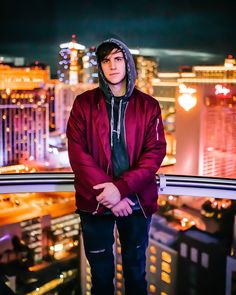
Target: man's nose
112,64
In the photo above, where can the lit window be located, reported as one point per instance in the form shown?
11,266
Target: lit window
152,288
119,276
166,256
153,259
153,269
183,250
119,267
153,250
194,255
165,277
165,267
205,260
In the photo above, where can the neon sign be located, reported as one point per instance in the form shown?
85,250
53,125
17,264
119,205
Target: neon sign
187,100
221,90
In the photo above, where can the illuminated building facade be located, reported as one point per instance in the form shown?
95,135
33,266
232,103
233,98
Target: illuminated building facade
70,66
146,71
206,111
64,99
23,126
39,243
50,89
24,113
23,78
90,72
164,90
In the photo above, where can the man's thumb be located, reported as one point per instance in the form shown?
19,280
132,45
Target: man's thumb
99,186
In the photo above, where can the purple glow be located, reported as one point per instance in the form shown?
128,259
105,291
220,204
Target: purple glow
5,237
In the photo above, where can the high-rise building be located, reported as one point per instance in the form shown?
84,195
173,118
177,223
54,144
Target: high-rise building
202,257
90,72
23,126
146,71
24,113
64,99
70,65
205,121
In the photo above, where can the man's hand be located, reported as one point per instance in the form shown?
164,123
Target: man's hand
110,195
123,208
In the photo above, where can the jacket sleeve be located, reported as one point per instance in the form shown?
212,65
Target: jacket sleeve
143,171
82,163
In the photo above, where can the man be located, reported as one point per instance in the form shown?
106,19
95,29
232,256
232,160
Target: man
116,144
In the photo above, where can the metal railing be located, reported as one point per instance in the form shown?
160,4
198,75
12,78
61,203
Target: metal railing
167,184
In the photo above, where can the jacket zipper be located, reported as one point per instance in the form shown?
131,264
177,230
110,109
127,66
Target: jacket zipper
124,125
141,206
127,151
96,210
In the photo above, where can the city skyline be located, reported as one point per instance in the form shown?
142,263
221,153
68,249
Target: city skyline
196,33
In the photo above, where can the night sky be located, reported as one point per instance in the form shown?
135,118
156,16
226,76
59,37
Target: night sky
184,31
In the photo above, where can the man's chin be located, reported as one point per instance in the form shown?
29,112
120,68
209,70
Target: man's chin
114,82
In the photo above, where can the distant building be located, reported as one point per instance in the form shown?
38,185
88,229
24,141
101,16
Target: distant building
90,71
146,71
23,126
205,121
23,77
16,61
70,65
202,261
64,99
24,113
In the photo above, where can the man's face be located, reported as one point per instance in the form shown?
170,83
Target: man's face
114,67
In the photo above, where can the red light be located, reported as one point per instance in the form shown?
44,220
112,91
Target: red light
230,56
73,36
36,62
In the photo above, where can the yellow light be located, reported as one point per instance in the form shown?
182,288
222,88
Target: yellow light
165,267
153,269
165,277
187,100
8,91
119,267
153,250
152,288
166,257
153,259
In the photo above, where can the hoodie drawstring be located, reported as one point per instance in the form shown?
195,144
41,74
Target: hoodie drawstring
112,120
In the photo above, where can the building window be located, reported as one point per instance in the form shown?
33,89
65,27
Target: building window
183,250
194,255
205,260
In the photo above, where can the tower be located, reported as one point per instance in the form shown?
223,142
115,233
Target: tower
70,62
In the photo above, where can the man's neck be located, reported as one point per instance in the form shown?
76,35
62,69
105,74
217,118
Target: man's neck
118,89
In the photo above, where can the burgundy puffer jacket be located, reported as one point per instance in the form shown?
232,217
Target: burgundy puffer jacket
90,152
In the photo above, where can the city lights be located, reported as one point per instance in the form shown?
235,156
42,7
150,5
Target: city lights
187,100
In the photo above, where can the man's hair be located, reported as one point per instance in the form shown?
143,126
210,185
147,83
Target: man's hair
105,49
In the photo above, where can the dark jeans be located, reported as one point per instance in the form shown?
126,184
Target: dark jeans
98,236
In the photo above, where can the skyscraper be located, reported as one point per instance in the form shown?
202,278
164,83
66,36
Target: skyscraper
24,117
70,62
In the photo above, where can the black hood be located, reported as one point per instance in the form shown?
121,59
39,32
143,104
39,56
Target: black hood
130,69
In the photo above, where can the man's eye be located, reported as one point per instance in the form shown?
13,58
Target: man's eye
105,61
119,58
